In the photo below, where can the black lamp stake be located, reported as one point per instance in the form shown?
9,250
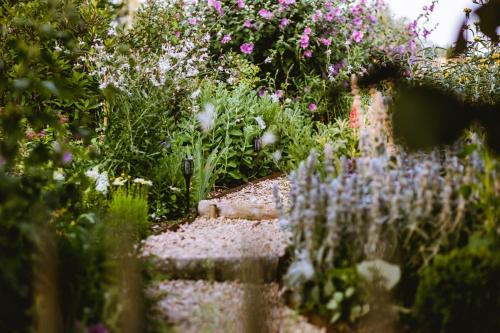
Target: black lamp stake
187,171
257,144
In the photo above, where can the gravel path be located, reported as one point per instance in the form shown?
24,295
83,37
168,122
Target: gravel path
219,238
201,306
261,192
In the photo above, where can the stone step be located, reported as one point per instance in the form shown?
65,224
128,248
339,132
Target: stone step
203,306
220,249
238,209
255,201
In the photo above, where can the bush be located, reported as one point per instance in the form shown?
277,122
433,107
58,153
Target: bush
460,292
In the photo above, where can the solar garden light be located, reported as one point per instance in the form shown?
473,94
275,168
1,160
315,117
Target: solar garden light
257,144
187,172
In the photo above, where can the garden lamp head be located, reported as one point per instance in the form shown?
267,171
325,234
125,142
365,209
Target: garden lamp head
187,167
257,144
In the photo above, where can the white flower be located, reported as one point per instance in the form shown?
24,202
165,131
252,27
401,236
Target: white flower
268,60
143,181
277,155
102,183
301,270
207,117
93,173
275,98
370,270
120,181
260,122
268,138
58,176
196,94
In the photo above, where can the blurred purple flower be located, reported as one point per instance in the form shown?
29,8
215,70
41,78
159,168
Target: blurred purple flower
426,33
307,31
247,24
246,48
304,41
226,39
358,22
262,92
217,6
357,36
325,41
268,15
67,157
372,18
97,328
241,4
312,107
192,21
284,22
308,54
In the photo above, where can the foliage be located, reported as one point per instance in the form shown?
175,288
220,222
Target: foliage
460,292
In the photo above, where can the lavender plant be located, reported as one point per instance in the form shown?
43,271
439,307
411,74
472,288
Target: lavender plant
386,204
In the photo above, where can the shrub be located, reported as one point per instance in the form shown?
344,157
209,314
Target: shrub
460,292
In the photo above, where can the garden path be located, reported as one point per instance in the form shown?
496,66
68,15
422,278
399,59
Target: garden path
224,272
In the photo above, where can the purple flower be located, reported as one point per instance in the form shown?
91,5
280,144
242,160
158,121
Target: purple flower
426,33
357,36
246,48
67,157
308,54
97,328
304,41
284,22
357,22
307,31
312,107
325,41
226,39
262,92
372,18
268,15
247,24
317,16
217,6
241,4
192,21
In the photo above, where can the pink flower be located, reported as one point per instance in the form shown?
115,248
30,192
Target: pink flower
192,21
246,48
268,15
304,41
217,6
325,41
262,93
226,39
247,24
178,34
241,4
357,36
357,22
317,16
30,134
312,107
284,22
308,54
307,31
